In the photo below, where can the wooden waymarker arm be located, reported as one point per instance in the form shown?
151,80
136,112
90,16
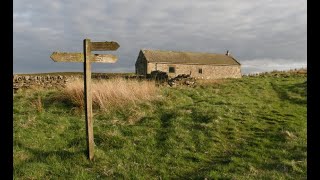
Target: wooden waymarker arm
104,46
79,57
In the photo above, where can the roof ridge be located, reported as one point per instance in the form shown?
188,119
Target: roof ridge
182,51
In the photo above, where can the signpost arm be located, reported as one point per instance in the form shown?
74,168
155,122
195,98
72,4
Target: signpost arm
88,97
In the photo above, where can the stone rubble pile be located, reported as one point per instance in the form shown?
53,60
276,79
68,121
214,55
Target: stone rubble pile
182,79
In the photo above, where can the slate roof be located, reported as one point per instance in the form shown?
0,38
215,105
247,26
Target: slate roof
181,57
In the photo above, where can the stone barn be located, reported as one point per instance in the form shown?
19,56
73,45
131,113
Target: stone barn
198,65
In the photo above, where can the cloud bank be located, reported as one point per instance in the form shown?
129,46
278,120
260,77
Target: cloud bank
262,35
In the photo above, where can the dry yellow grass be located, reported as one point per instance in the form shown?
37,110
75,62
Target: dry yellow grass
112,93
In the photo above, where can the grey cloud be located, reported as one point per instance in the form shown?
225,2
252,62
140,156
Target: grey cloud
254,31
265,64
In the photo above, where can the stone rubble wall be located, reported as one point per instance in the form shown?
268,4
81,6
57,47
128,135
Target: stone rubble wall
45,81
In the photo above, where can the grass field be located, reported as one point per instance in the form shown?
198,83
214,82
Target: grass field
249,128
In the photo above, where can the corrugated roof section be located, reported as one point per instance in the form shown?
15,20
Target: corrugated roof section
180,57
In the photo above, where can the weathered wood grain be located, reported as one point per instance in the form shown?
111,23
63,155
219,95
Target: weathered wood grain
88,98
104,46
79,57
103,58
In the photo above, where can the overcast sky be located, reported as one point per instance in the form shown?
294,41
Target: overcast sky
263,35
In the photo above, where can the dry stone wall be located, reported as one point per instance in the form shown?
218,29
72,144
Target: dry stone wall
45,81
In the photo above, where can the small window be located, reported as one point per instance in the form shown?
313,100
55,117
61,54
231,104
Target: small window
200,71
172,70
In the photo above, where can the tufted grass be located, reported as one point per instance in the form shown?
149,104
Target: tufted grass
249,128
112,94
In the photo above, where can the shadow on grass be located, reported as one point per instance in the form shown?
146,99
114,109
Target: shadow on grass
284,91
166,130
43,155
106,142
223,166
77,142
57,100
203,171
202,117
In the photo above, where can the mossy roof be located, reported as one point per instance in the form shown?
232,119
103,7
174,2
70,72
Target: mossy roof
183,57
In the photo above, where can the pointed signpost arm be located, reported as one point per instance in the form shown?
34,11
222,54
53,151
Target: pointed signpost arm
88,97
104,46
79,57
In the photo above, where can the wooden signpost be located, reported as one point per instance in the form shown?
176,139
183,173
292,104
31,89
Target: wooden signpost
87,58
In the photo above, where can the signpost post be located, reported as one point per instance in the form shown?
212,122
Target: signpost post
87,58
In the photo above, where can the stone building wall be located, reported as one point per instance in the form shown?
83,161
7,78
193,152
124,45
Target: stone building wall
208,71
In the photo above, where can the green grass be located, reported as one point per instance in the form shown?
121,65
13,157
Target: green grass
249,128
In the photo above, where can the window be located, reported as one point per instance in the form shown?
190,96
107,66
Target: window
172,70
200,71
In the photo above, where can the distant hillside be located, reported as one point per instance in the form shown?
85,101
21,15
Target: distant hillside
301,71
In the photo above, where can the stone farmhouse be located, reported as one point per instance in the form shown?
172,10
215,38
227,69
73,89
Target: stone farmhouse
198,65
